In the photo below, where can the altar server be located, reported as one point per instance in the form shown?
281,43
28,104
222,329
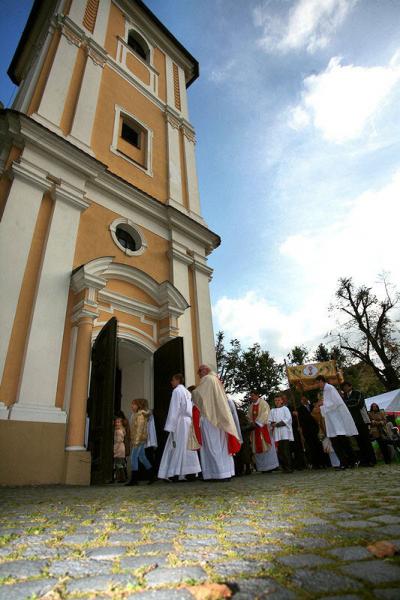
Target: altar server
177,460
262,446
280,421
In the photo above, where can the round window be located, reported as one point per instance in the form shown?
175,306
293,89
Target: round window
126,239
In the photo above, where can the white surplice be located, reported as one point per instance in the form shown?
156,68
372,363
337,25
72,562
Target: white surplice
233,408
216,462
285,432
338,420
177,459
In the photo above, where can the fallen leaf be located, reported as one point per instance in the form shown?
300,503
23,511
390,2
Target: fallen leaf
382,549
210,591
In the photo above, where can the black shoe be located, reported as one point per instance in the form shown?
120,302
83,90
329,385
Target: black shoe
152,477
133,480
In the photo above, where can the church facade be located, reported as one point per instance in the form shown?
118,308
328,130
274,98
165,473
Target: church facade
103,249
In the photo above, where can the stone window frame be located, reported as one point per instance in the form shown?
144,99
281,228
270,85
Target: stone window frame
120,113
134,230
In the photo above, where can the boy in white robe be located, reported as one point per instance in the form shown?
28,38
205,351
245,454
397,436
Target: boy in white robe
214,430
338,422
262,445
280,421
177,460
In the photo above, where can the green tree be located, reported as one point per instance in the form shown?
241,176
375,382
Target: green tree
299,355
227,361
370,333
324,353
258,370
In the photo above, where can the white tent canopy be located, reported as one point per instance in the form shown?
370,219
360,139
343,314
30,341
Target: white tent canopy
390,401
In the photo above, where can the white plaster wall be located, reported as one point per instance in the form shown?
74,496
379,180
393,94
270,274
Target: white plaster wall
87,103
170,81
180,280
77,11
16,232
204,319
52,103
183,94
40,374
191,171
174,165
100,27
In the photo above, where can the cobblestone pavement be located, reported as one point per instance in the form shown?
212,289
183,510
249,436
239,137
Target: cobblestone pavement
270,536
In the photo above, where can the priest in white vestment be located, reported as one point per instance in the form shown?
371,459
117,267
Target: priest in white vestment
339,423
214,429
280,421
177,460
262,445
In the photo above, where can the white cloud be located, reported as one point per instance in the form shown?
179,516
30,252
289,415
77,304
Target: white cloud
310,25
222,73
344,99
361,244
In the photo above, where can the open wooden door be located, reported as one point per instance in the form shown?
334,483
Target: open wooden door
101,403
168,360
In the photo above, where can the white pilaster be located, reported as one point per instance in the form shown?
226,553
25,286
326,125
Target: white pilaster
191,171
100,28
202,275
180,262
52,103
16,231
183,94
40,374
174,162
77,11
85,112
3,412
169,73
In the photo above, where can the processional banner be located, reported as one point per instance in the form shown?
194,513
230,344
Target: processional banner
303,376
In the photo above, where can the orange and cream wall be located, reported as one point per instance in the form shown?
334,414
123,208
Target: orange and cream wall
67,182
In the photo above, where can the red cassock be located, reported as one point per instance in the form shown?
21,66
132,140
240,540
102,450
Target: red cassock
260,433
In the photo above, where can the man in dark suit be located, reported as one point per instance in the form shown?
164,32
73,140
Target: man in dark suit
354,401
309,427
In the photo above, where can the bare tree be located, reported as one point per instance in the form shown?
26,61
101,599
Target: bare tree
371,332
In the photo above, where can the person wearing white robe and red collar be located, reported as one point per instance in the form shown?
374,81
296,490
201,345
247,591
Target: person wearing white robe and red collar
338,422
177,460
280,421
262,445
214,430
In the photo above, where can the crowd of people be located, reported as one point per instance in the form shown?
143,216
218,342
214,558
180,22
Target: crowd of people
209,437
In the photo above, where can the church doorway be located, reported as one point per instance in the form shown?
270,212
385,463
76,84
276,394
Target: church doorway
122,369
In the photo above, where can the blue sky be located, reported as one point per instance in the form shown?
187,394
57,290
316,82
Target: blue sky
297,113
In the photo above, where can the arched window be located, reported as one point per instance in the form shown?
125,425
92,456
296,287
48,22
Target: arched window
138,45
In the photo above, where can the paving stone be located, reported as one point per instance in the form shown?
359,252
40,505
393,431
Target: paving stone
241,566
78,538
350,553
320,529
313,521
41,552
357,524
126,538
240,529
343,597
78,568
99,583
324,581
387,594
22,591
309,543
262,588
137,562
389,530
303,560
162,595
161,547
258,549
106,552
22,569
174,575
386,519
374,571
196,542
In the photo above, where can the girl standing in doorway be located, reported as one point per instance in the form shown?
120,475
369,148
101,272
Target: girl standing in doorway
139,433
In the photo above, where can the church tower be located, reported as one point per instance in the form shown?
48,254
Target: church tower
105,282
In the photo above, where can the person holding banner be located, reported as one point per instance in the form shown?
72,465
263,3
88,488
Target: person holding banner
262,446
214,429
338,422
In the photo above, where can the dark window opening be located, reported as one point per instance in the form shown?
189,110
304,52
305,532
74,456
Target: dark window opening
130,135
125,239
137,46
